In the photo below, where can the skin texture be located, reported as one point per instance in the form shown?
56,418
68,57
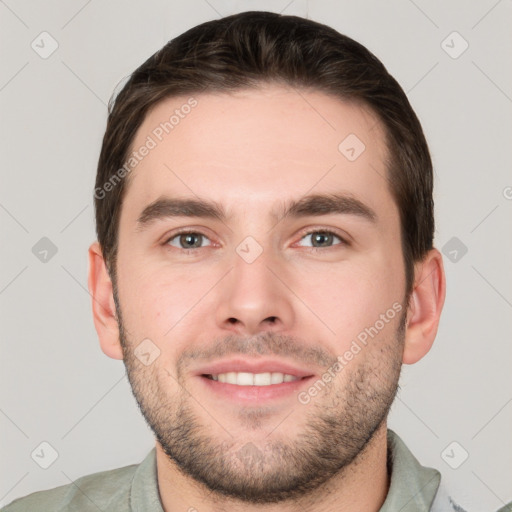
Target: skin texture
252,152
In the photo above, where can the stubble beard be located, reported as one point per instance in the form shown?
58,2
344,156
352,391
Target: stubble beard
339,423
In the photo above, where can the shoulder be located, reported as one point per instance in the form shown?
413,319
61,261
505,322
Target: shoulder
443,502
106,490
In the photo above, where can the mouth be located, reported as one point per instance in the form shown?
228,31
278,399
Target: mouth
253,381
247,388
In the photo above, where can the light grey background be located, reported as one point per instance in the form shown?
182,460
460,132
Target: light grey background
56,384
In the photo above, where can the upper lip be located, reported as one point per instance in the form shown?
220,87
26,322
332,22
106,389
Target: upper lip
253,366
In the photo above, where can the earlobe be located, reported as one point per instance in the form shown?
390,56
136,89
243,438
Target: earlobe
103,307
425,306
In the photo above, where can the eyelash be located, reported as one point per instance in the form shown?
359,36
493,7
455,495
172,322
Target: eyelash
304,235
342,240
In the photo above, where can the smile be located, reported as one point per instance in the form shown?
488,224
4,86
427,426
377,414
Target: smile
253,379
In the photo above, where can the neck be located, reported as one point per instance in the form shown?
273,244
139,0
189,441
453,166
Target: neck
361,486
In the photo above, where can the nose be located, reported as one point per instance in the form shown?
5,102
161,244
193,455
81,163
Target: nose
255,298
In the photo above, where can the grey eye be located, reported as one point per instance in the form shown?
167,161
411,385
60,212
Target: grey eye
321,238
189,240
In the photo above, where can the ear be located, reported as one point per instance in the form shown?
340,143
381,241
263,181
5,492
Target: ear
103,306
425,306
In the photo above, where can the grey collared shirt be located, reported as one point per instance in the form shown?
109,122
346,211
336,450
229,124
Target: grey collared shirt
134,488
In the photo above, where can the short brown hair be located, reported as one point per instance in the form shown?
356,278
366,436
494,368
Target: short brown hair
252,48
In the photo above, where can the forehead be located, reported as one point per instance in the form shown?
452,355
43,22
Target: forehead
260,144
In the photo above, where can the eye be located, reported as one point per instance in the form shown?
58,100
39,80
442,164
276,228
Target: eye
187,240
323,239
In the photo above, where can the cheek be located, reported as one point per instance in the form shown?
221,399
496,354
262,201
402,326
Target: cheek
352,296
157,304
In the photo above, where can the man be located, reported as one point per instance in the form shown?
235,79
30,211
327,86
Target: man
264,266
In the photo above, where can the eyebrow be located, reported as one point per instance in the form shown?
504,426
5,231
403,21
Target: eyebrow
311,205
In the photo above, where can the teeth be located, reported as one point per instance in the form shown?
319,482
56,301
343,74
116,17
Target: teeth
254,379
262,379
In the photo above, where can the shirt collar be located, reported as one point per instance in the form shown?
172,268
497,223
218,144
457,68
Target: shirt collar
413,487
144,495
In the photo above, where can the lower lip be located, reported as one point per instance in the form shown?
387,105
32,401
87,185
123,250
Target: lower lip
248,394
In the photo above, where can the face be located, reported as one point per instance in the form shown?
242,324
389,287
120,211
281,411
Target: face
262,320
